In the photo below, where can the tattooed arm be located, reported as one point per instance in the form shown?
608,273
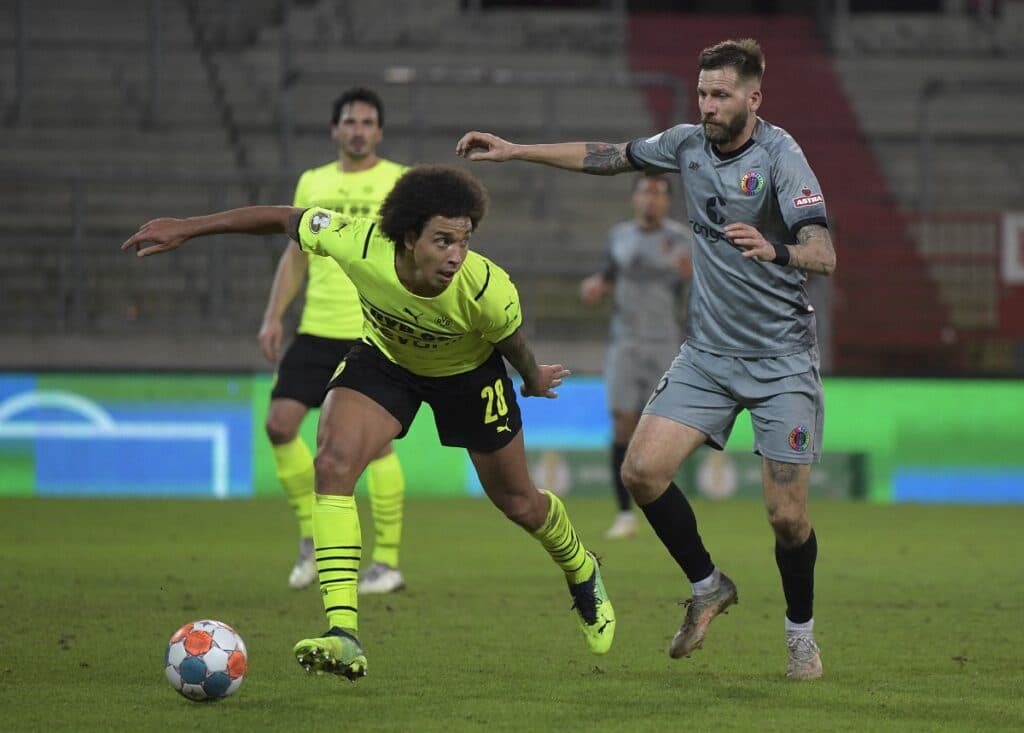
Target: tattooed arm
539,380
813,251
602,159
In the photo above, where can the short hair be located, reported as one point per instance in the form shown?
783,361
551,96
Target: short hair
744,55
651,176
426,191
358,94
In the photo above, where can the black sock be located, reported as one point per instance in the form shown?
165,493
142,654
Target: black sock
621,493
796,566
673,521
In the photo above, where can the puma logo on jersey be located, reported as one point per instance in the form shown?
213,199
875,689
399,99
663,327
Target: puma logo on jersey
415,317
506,428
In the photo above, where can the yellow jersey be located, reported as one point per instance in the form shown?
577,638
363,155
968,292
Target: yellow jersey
450,333
332,305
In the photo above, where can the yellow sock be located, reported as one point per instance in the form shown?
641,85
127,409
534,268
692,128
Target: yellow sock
387,494
559,538
295,471
339,548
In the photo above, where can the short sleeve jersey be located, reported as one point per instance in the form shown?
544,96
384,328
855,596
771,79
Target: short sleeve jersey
447,334
332,306
648,283
741,306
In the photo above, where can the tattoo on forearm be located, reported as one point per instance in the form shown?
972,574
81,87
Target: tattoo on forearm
813,251
605,159
519,355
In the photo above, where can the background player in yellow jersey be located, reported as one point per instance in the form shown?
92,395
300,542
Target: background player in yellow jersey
332,321
439,320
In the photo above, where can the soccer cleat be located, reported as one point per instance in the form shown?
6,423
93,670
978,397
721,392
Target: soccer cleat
381,578
303,573
804,657
336,652
594,612
699,613
624,526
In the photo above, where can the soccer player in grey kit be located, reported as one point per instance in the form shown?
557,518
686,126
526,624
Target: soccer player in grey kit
758,216
648,268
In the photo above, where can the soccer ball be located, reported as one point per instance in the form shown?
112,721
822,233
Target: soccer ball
206,660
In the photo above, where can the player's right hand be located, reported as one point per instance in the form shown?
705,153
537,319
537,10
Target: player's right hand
162,235
547,378
484,146
593,288
270,339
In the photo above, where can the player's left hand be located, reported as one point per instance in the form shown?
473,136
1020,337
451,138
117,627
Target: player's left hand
548,377
162,235
750,240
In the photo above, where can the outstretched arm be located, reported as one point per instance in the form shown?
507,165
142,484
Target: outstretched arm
602,159
163,235
539,380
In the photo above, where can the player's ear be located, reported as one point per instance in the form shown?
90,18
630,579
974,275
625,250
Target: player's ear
410,240
755,97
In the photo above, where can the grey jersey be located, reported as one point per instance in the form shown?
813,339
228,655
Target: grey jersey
741,306
645,267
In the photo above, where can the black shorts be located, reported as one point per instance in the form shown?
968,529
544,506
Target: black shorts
476,410
307,367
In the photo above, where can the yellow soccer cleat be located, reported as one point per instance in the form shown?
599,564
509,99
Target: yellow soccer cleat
336,652
594,612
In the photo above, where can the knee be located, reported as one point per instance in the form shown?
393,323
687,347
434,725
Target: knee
334,467
644,484
280,430
524,509
790,525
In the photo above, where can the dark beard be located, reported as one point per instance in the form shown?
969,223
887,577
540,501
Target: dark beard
722,135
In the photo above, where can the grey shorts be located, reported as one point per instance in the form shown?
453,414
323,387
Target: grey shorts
783,395
631,371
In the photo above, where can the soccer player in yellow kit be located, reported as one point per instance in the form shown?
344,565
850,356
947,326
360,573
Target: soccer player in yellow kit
439,319
332,322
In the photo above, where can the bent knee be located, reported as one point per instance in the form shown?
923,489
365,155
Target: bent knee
335,468
280,430
791,527
644,483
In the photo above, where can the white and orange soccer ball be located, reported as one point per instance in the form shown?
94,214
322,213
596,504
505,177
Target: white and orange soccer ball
206,660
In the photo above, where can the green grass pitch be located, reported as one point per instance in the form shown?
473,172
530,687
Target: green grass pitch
920,616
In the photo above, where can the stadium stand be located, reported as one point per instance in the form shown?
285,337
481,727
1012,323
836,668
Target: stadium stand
89,151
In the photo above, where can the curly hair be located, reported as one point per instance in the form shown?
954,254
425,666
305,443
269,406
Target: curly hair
426,191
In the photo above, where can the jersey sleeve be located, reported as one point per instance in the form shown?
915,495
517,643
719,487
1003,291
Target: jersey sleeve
796,188
660,152
330,234
500,312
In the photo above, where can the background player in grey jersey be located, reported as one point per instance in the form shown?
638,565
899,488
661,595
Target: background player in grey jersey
758,216
648,267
